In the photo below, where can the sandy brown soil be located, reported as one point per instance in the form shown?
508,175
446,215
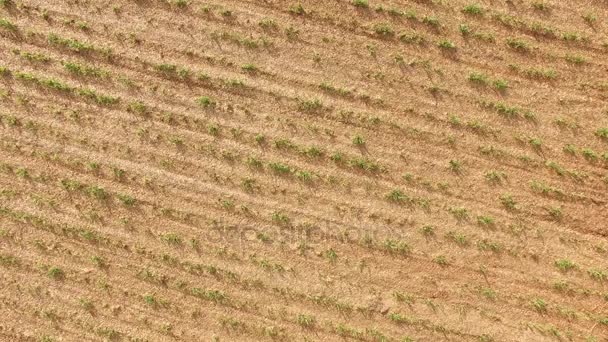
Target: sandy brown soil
258,170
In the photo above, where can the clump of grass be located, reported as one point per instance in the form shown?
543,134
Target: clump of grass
8,25
574,59
478,78
412,38
172,239
312,105
458,238
397,247
297,9
126,200
500,85
384,30
441,260
540,6
508,201
539,305
307,321
56,273
459,213
485,221
358,140
333,90
268,24
280,168
590,154
205,102
590,18
571,36
565,265
137,107
97,192
473,9
598,275
397,196
518,44
446,44
431,21
539,73
251,68
32,57
455,166
361,3
602,133
71,44
84,70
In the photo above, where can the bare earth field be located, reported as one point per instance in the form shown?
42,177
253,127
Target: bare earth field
337,170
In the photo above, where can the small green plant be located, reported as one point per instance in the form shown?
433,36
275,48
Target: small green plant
602,133
205,102
539,305
306,321
536,143
126,200
397,196
6,24
459,213
397,247
431,21
508,201
172,239
428,231
313,105
590,18
446,44
97,192
571,37
565,265
280,168
518,44
251,68
441,260
500,85
297,9
137,107
384,30
540,6
268,24
495,176
589,154
455,166
213,129
280,218
473,9
598,275
56,273
358,140
412,38
181,3
458,238
331,255
478,78
574,59
464,29
361,3
555,213
485,221
570,149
